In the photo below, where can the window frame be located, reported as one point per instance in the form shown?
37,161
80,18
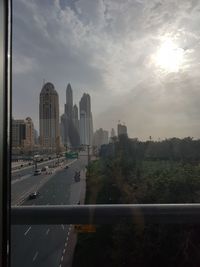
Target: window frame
5,122
97,214
107,214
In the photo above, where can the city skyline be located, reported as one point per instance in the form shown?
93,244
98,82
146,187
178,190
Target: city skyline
70,108
138,60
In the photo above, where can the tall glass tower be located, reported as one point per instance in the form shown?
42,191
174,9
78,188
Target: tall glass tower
49,118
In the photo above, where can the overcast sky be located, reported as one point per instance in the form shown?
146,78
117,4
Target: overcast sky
138,59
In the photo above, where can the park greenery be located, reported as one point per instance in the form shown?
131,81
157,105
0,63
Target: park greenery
130,171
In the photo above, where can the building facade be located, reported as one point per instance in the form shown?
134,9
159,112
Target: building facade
29,138
70,122
121,130
18,133
86,121
23,135
112,135
100,138
49,118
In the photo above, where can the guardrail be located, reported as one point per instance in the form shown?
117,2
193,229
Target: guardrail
106,214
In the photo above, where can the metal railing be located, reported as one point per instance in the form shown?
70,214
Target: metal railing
106,214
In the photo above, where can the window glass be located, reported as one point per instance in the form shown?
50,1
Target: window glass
105,111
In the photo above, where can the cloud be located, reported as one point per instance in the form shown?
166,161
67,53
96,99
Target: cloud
105,47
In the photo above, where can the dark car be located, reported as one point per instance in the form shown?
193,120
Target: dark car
66,167
33,195
77,176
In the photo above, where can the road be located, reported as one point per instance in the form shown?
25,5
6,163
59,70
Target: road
16,174
45,245
27,183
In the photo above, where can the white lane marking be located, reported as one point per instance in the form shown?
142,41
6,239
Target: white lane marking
68,233
62,258
67,238
60,265
27,230
62,226
36,254
47,231
63,250
65,244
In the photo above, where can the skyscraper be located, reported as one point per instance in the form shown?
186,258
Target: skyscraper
100,137
121,130
69,101
75,117
49,118
112,135
69,121
86,122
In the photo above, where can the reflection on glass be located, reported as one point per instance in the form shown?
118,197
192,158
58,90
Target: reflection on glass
105,111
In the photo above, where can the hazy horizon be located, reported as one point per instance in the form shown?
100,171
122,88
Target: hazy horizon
138,60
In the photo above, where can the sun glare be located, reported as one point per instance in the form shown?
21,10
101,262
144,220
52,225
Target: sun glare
169,56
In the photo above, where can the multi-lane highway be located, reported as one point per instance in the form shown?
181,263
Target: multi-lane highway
16,174
25,182
45,245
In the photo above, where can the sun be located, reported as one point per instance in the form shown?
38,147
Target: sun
169,56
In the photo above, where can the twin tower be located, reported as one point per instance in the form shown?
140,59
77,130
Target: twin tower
74,129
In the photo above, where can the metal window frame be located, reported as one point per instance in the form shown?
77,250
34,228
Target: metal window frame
107,214
5,115
82,214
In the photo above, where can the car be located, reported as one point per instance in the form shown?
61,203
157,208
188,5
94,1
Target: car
37,172
33,195
77,176
45,169
66,167
77,173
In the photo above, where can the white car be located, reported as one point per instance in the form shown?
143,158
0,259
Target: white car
45,169
37,172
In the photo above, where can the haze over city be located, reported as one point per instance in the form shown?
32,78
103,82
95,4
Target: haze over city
138,60
105,134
